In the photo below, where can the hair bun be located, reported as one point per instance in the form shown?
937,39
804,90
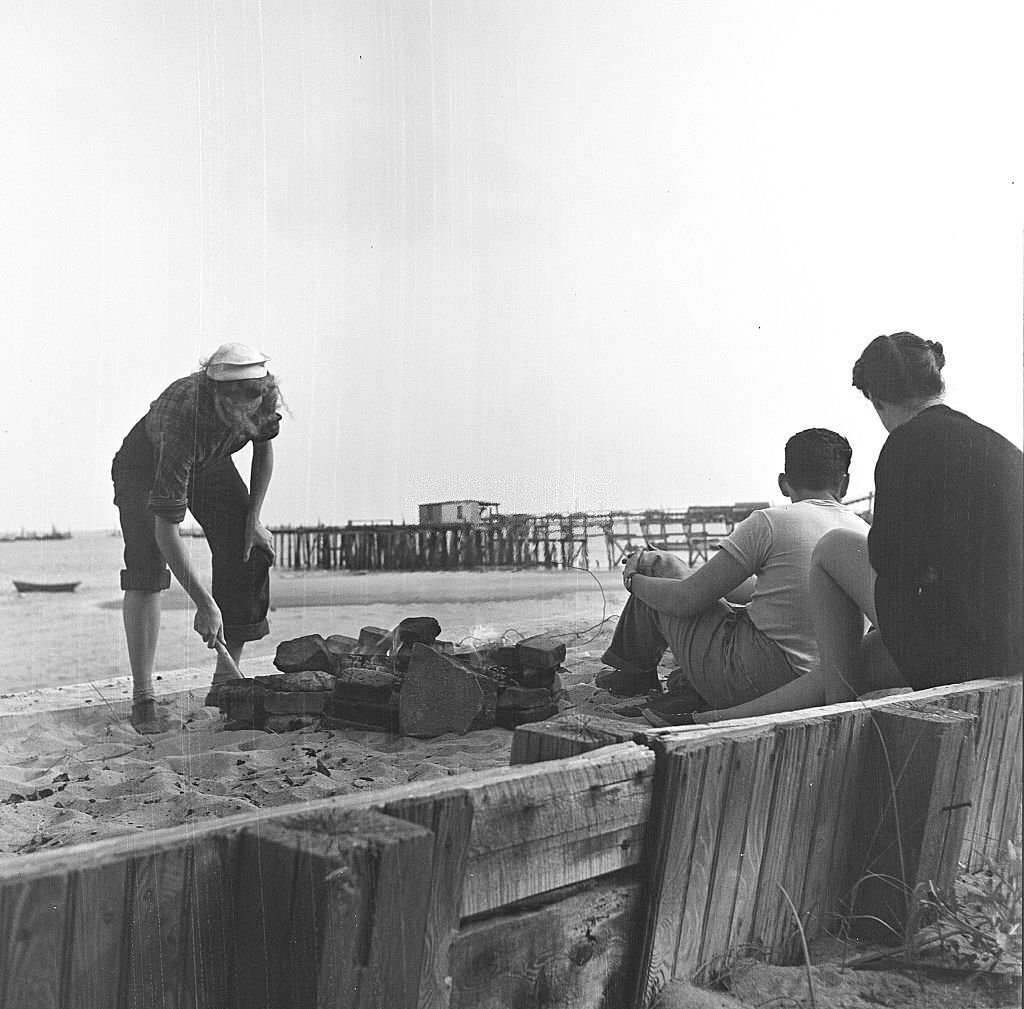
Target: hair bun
936,349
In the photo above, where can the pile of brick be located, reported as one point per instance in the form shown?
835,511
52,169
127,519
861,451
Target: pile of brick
400,681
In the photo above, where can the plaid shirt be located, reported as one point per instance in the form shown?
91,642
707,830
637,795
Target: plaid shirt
186,435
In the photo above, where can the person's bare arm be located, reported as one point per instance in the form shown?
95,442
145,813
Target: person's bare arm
209,623
688,597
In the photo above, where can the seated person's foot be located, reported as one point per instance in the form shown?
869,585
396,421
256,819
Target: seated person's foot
676,703
663,719
149,720
216,694
623,684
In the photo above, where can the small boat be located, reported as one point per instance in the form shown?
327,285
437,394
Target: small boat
45,586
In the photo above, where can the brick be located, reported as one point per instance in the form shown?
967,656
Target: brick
541,652
524,697
307,679
530,676
340,644
344,714
288,723
507,656
509,718
370,685
307,652
295,702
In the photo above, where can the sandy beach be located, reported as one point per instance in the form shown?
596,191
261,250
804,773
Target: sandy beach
73,770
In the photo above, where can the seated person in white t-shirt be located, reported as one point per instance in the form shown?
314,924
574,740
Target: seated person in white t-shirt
729,652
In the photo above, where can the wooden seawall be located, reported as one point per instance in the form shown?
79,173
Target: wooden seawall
593,870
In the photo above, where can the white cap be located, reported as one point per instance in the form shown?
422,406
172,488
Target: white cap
231,362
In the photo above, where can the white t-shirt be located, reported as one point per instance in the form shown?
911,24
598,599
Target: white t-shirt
776,545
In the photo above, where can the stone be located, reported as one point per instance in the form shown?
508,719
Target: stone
509,718
295,702
524,697
288,723
531,676
440,694
340,644
340,713
507,656
541,652
373,641
370,685
307,652
307,679
413,629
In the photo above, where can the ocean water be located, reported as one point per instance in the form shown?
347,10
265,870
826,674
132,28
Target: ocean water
53,639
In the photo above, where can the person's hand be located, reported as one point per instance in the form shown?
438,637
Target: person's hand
631,567
258,537
209,624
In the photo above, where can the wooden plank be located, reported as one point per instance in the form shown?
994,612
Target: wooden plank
837,898
399,873
543,826
33,918
817,891
905,803
156,894
96,939
728,862
450,820
772,917
810,794
762,789
706,840
1014,763
331,911
210,922
994,717
951,799
577,950
678,783
566,736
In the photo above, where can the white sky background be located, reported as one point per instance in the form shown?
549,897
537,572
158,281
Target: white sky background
571,255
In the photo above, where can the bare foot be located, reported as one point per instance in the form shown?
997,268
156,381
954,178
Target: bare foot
148,720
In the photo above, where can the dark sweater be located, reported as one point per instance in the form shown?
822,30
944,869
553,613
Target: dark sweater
946,543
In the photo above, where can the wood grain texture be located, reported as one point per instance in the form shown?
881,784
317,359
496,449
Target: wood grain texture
33,923
543,826
907,798
577,951
449,819
566,737
95,939
156,897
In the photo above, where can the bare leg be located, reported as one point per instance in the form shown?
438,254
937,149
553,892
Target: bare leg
141,614
842,587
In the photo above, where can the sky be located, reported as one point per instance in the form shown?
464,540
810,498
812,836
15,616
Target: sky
563,256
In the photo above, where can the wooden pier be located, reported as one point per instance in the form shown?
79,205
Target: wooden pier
552,540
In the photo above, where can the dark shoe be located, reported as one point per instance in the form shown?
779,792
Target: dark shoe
664,720
674,704
623,684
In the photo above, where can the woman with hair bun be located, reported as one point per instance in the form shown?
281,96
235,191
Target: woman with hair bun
939,575
942,579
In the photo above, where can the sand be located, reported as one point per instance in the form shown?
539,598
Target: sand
72,769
